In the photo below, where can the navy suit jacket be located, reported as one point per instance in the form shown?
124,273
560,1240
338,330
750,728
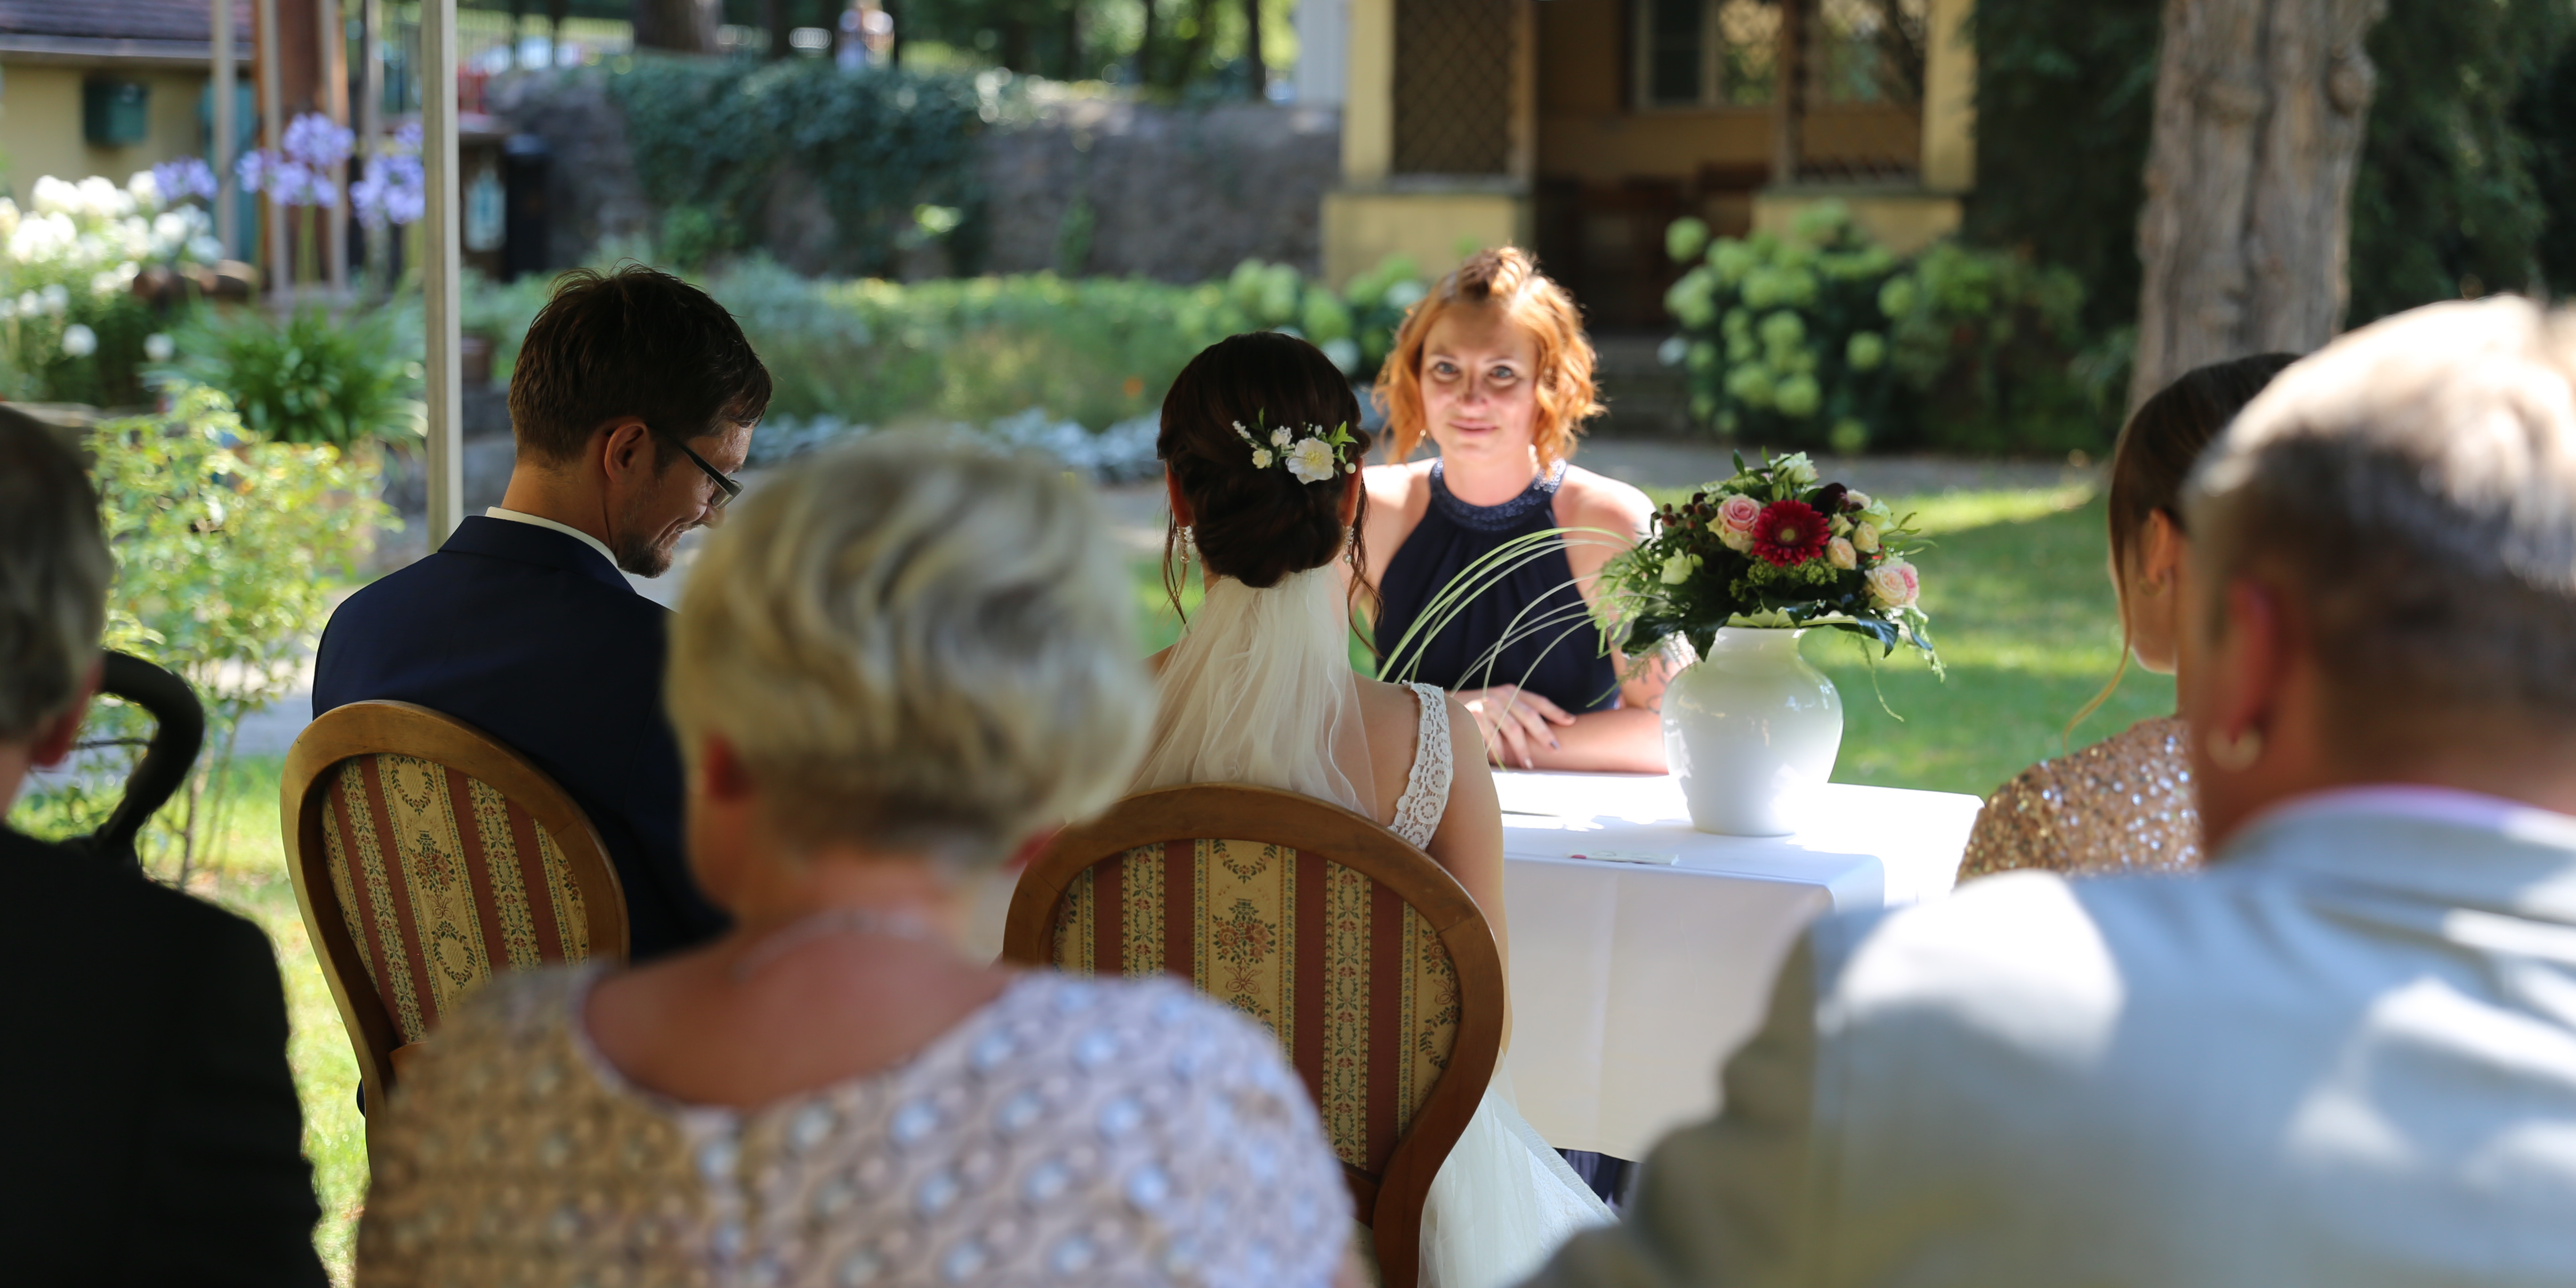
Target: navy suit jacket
531,636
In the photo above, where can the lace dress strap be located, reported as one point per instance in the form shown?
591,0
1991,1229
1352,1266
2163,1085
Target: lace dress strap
1426,784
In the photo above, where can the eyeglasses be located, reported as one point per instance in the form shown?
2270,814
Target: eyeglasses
726,488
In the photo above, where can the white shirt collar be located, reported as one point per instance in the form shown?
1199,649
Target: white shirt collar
2451,805
516,516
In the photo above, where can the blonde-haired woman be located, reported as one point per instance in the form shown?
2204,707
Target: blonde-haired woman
899,665
1492,366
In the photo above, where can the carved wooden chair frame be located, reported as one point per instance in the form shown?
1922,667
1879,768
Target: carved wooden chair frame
1391,1202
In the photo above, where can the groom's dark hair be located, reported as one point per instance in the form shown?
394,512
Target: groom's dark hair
1258,525
634,342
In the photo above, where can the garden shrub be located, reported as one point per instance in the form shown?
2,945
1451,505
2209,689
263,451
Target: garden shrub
890,152
1825,339
228,550
1786,337
71,327
314,378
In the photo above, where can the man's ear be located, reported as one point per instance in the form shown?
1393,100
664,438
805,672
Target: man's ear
2252,654
627,449
55,737
722,772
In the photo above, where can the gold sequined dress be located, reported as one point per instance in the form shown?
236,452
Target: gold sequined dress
2124,804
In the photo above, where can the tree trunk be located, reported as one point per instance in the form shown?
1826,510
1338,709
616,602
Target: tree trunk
1145,47
1260,88
774,14
683,26
2258,122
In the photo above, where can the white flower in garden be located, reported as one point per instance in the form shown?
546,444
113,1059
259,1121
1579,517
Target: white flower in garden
1261,458
1864,538
106,283
29,305
1839,553
158,347
57,297
1894,585
145,188
1312,460
1679,568
79,341
52,196
8,308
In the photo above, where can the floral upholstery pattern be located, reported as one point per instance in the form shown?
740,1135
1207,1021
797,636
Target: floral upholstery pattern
1351,980
443,882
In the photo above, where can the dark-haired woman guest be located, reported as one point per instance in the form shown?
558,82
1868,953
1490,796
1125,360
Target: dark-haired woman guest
1493,367
2125,804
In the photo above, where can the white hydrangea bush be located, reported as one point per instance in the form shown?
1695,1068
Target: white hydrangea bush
72,328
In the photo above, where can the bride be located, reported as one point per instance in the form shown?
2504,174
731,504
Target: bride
1261,455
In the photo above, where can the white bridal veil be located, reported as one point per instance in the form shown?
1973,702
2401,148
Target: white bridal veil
1260,690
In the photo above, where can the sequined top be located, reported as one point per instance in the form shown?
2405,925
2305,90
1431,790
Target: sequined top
1071,1131
2124,804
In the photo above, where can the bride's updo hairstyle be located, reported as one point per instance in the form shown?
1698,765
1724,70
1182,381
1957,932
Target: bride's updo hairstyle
1257,525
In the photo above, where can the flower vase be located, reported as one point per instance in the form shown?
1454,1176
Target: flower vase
1751,731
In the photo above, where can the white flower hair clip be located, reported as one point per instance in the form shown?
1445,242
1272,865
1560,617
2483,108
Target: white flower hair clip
1313,458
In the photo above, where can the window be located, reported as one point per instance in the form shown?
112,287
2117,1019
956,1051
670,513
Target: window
1707,53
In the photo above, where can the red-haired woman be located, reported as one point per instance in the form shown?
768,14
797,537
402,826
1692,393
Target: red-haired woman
1492,366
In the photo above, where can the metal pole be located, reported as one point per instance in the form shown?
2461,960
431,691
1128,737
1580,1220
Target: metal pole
334,101
371,114
441,289
219,155
272,133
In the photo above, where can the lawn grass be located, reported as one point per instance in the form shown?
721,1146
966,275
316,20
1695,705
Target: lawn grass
2019,606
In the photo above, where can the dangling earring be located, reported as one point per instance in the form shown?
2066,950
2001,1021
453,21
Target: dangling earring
1350,535
2237,754
1189,542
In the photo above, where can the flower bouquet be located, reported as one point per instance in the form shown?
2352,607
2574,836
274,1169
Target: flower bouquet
1740,571
1770,547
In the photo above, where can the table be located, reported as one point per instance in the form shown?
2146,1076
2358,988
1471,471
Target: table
1630,983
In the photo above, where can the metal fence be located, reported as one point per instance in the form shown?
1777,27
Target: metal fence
1453,96
1856,71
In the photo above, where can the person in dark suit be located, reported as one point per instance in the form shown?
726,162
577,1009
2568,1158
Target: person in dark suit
632,403
155,1135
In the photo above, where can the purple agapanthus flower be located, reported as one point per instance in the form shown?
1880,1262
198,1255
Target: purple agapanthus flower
318,143
184,178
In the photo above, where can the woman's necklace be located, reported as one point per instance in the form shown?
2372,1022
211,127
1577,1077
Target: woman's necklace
832,921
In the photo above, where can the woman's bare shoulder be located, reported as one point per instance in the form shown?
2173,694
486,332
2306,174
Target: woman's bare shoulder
1396,484
1599,501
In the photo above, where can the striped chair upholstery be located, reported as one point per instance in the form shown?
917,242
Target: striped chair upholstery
1374,969
1350,978
428,857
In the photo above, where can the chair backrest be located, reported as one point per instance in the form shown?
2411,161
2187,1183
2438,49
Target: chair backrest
1367,960
427,857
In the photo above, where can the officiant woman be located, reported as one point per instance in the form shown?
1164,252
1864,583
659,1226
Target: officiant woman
1492,366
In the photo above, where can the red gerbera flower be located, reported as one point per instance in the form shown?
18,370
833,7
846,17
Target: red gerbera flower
1789,533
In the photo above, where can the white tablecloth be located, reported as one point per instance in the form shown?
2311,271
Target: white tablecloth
1631,982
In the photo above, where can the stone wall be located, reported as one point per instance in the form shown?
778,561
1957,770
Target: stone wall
1088,186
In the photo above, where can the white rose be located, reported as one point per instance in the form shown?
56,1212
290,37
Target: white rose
1894,585
1839,553
1864,538
1839,526
1311,460
1679,568
1856,499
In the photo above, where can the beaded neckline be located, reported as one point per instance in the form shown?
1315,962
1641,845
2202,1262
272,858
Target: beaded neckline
1539,495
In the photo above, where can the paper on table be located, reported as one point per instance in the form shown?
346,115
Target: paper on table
1628,856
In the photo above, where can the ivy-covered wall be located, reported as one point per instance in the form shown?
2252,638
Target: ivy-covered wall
2468,173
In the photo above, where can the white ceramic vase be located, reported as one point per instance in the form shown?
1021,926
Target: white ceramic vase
1751,731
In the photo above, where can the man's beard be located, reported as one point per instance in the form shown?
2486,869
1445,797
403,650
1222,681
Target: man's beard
637,552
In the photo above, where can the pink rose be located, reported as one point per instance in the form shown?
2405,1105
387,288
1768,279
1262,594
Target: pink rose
1894,585
1738,514
1840,554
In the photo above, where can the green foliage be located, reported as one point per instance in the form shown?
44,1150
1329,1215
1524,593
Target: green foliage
1094,350
1992,345
2446,202
2468,169
71,326
316,378
711,138
227,551
1824,339
2065,94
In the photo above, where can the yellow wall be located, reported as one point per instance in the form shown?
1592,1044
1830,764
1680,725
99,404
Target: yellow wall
40,124
1362,228
1950,99
1904,222
1368,110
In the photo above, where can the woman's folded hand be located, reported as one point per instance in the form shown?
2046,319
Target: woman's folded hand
1514,722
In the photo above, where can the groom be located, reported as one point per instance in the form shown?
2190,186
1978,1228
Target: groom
633,402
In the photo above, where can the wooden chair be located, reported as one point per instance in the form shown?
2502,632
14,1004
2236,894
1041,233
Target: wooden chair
427,857
1367,960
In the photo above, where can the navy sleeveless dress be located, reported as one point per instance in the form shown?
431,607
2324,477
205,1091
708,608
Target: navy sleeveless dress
1570,671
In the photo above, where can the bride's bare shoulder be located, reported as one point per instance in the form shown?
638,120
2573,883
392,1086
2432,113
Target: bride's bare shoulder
1388,706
